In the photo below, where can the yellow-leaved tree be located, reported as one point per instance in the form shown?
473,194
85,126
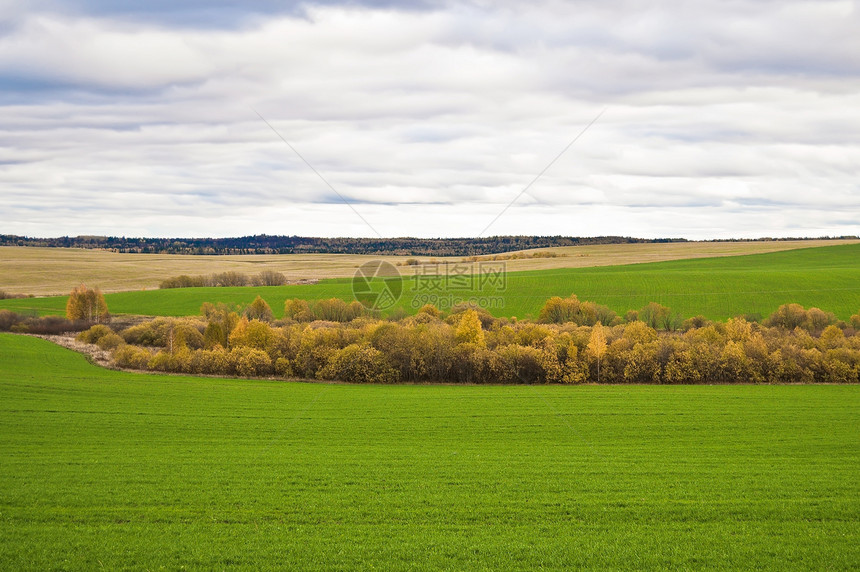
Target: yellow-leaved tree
597,345
469,330
87,304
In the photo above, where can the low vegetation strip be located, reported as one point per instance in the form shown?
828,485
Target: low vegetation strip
571,345
572,341
717,288
106,469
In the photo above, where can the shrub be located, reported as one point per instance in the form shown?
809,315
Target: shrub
459,310
642,364
605,316
298,310
253,334
170,333
660,317
682,368
94,334
269,278
9,319
335,310
735,366
183,281
131,357
435,344
229,279
259,310
284,368
639,333
525,364
214,336
315,347
213,362
471,363
695,322
738,330
397,314
222,319
530,335
788,316
817,320
110,341
180,360
358,364
250,362
430,310
159,362
563,310
751,317
49,325
573,370
558,310
152,333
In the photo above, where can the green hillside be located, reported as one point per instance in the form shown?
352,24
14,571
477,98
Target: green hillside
113,470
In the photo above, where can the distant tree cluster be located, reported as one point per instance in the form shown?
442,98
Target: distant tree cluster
265,244
264,278
573,342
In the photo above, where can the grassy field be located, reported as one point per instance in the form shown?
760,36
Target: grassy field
112,470
718,288
47,271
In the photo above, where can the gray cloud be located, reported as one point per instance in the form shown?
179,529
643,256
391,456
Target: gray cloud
723,119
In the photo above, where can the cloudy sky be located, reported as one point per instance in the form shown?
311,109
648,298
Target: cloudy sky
720,118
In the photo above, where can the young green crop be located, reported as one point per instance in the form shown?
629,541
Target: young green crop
105,469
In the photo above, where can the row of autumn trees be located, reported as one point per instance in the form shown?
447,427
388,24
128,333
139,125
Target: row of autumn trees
572,342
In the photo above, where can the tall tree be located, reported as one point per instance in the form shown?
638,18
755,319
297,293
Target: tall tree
87,304
259,310
469,330
597,345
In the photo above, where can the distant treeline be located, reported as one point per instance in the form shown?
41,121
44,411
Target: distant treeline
265,244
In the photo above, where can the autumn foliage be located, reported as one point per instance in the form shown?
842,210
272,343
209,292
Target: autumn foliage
573,342
86,304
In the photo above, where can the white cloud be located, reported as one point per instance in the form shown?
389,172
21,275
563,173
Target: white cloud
720,122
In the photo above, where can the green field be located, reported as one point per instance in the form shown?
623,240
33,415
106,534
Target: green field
718,288
112,470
